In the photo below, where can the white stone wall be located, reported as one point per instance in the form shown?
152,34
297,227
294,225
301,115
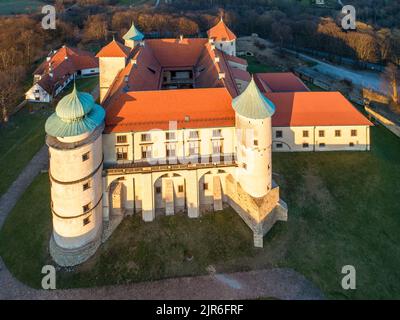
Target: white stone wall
229,47
109,67
158,143
73,226
293,138
37,91
254,155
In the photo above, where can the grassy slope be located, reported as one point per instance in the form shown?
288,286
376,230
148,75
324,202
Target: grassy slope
20,139
344,209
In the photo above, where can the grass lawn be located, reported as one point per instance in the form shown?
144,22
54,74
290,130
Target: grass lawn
20,139
255,66
82,84
343,210
8,7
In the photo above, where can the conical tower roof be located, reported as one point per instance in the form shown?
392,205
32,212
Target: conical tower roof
76,113
133,34
253,104
221,32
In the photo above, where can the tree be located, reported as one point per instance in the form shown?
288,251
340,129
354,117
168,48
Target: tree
391,82
96,28
10,84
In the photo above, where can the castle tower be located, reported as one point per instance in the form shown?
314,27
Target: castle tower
254,140
224,39
133,37
74,137
112,59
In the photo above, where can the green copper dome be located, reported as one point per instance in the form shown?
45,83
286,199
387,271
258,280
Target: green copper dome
252,104
133,34
76,114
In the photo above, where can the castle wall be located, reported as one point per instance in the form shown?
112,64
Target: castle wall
229,47
109,68
294,139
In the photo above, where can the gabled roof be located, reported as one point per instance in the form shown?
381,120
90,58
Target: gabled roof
252,104
220,32
133,34
62,64
114,50
279,82
314,109
146,110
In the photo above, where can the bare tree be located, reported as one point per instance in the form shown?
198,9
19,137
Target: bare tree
10,84
391,82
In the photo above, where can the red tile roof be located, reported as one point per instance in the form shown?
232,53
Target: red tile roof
279,82
114,50
236,59
220,32
63,63
241,74
147,110
314,109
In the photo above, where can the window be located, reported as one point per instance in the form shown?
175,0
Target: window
87,207
86,186
337,133
256,142
180,188
122,139
85,156
205,186
122,153
217,147
321,133
217,133
279,145
322,145
86,221
158,190
305,133
146,152
170,135
354,133
305,145
278,134
193,135
146,137
194,148
351,144
171,149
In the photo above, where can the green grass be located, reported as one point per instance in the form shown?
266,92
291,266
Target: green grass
20,139
255,66
8,7
343,210
83,84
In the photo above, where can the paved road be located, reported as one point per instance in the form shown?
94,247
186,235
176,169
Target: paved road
277,283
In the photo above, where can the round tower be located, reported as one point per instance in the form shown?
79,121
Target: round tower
74,137
133,37
254,140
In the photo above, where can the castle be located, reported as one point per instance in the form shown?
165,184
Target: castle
181,127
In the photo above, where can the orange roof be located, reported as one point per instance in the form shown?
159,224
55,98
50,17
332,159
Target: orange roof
176,52
114,50
236,59
314,109
220,32
147,110
62,64
279,82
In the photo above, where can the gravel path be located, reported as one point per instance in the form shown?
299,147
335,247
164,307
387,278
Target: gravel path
277,283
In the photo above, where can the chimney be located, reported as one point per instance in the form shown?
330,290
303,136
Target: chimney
213,47
216,59
66,57
211,41
48,59
221,75
181,38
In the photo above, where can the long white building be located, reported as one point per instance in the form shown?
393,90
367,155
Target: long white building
182,129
